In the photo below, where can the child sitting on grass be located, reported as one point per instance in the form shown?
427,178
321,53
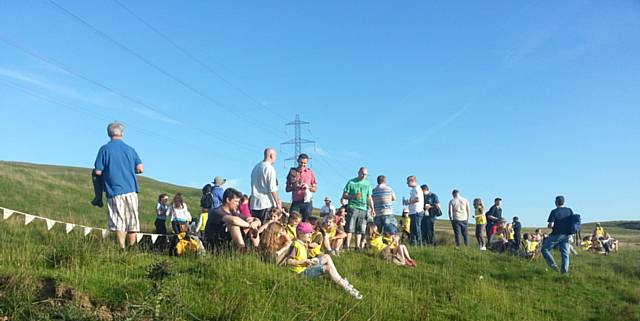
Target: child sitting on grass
274,243
300,263
317,238
586,244
499,237
531,247
333,236
388,246
294,219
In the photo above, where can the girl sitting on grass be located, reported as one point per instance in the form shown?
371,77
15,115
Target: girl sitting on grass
274,243
300,263
274,216
317,238
531,247
333,236
294,219
405,225
388,246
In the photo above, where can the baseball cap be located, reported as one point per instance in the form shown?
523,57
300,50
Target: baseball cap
304,227
327,199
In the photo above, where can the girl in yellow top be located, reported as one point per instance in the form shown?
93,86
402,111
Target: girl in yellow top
530,246
598,231
333,236
300,262
202,223
405,225
294,219
481,222
388,246
315,245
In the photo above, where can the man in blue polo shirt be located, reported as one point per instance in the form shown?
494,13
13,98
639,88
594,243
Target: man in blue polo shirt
118,164
559,220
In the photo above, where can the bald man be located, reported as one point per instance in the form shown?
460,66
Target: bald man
264,186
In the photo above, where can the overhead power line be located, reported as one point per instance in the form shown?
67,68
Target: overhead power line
157,67
198,61
219,136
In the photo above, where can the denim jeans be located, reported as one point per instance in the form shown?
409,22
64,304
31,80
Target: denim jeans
303,208
460,229
552,241
416,228
383,220
428,229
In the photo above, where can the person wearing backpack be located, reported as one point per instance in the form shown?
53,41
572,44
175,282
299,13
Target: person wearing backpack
561,221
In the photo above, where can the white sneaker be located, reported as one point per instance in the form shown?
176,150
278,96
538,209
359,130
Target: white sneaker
483,248
350,289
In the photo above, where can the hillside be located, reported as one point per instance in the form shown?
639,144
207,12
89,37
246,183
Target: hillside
50,275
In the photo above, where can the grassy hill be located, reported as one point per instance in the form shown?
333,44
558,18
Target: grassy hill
49,275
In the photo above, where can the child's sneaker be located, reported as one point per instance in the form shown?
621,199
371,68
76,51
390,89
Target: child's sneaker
350,289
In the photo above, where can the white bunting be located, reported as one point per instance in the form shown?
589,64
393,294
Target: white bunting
139,237
87,231
154,237
50,223
105,233
28,218
69,227
6,213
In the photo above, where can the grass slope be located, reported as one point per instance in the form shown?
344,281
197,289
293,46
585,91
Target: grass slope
49,275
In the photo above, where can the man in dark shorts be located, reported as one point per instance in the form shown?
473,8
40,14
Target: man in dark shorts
559,220
224,228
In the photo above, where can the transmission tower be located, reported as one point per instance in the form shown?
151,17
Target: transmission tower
297,141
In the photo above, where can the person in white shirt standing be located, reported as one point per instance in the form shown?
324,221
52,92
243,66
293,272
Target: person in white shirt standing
328,208
416,210
264,186
459,214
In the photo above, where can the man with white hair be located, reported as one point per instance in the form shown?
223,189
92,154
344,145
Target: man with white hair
118,163
264,186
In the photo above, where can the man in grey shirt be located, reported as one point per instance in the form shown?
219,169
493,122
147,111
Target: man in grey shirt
264,186
383,198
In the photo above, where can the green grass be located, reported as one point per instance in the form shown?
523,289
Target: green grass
94,281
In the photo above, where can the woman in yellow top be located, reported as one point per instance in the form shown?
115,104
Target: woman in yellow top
481,222
333,236
300,262
388,246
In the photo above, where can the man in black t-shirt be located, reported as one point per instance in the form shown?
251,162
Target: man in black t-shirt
494,215
559,221
223,227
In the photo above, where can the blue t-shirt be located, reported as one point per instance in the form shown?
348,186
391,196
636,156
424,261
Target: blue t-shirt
431,199
217,192
118,162
560,218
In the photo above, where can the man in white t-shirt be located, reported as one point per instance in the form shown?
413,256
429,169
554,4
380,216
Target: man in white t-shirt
459,216
328,208
416,210
264,186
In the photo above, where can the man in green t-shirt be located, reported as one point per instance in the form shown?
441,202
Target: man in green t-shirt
358,193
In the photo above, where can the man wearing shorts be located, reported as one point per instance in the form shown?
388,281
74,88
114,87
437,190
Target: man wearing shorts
358,193
118,164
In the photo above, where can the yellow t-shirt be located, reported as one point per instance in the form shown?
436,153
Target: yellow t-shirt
291,231
299,253
330,233
599,232
531,246
586,245
480,217
389,241
405,223
316,237
203,217
512,234
377,245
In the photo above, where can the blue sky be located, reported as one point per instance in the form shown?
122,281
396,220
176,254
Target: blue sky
523,100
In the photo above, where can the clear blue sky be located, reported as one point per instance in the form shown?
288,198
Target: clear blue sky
523,100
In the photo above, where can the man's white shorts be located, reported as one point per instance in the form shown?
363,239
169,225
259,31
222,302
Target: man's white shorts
123,213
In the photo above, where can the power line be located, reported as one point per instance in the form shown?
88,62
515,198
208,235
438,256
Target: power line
133,100
104,117
155,66
198,61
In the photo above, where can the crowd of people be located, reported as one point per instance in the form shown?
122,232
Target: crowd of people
294,237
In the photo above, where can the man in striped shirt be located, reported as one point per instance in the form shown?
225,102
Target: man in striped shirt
383,198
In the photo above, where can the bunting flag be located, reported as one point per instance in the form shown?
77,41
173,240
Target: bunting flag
105,233
28,218
154,237
6,213
87,231
69,227
139,237
50,223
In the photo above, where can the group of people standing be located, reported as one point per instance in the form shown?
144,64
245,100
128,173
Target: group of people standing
231,219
